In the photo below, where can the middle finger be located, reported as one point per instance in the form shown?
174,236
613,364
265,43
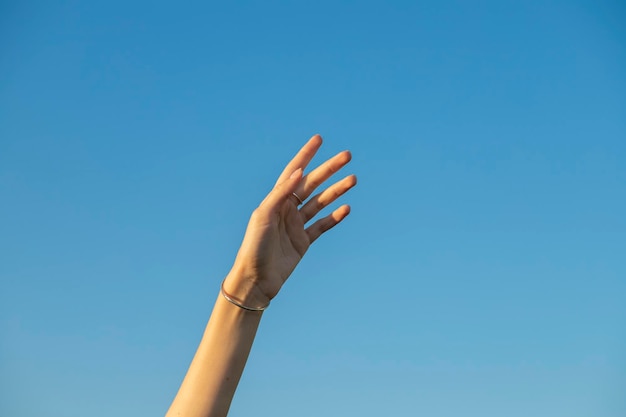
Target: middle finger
320,174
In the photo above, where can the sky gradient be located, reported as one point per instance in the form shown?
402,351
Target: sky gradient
482,271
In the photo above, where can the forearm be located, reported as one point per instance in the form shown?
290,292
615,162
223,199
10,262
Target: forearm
275,241
214,373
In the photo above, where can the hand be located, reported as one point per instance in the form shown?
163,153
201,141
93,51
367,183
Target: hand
276,238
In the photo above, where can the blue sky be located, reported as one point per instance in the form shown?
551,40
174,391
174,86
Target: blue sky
480,273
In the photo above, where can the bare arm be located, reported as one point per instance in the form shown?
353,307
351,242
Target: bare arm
275,241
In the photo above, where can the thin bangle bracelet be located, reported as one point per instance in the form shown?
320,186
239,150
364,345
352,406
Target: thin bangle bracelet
238,304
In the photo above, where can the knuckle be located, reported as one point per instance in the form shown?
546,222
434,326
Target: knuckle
258,213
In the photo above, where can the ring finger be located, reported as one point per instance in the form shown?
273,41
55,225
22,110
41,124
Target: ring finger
326,197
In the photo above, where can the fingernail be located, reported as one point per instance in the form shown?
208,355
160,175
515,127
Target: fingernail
296,174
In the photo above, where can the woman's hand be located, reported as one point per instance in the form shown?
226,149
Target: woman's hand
276,239
277,236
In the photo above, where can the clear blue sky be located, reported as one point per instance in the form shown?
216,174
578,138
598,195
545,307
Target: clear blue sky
482,271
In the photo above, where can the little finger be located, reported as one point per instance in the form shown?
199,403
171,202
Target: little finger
323,225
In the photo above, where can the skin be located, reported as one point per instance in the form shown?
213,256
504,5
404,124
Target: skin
278,235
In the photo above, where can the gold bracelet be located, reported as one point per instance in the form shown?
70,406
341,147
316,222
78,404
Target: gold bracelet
231,300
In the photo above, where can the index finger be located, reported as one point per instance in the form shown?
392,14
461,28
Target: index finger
302,158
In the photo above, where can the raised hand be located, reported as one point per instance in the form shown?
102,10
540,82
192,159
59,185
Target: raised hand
278,236
279,233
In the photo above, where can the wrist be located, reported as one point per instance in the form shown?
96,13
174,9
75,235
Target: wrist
244,290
